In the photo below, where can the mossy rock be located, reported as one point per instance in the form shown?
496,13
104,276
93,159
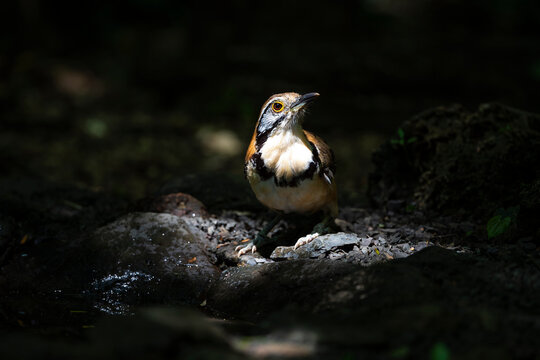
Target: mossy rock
463,163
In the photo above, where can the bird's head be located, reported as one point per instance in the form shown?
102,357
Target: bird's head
283,112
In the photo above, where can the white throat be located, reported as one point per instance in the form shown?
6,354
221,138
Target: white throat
286,152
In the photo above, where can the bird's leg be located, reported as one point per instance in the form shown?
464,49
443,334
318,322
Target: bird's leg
261,239
325,226
322,228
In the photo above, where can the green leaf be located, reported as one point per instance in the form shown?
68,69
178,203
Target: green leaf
401,133
96,127
439,351
498,225
410,208
411,140
505,129
395,141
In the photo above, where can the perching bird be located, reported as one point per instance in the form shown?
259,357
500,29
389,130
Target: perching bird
289,169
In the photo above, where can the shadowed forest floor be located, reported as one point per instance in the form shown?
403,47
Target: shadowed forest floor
122,135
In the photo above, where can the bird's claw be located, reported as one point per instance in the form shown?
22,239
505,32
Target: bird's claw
244,249
305,240
260,240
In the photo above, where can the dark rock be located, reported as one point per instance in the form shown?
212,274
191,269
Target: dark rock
154,333
226,231
46,210
366,241
461,162
351,247
145,258
464,300
216,191
8,232
395,205
320,247
178,204
253,292
251,259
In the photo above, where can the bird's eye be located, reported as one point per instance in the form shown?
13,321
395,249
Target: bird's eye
277,106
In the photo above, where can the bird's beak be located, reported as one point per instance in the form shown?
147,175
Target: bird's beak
303,101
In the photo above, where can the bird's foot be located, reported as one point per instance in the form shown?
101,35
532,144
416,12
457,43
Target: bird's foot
259,240
306,240
244,249
322,228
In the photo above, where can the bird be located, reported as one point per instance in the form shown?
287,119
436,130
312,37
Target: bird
289,169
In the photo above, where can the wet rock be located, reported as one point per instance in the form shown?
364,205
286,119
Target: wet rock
145,258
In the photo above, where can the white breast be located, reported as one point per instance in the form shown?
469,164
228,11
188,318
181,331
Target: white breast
286,154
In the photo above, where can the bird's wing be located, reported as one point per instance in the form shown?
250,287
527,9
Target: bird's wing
326,155
251,149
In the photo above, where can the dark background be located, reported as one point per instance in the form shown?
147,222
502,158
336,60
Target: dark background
121,96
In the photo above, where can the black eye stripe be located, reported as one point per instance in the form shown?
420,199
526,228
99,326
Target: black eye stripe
262,135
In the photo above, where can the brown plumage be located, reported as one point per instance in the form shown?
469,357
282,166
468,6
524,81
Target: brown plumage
288,168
